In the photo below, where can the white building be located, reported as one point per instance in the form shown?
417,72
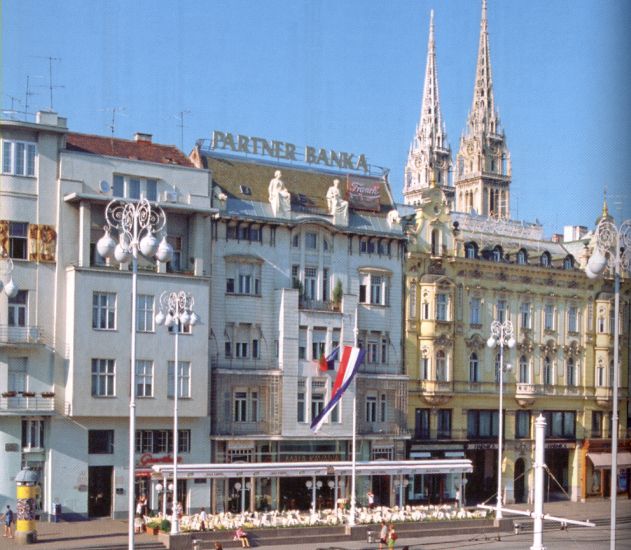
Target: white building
65,337
279,252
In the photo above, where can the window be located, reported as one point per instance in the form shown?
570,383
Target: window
597,424
383,407
442,311
522,424
474,368
522,257
301,402
133,187
421,424
310,288
318,391
568,262
496,254
560,424
144,378
184,379
545,260
571,372
482,423
17,309
246,406
371,408
471,251
524,371
161,441
318,342
444,424
548,317
372,353
302,342
104,310
103,378
17,376
547,371
18,240
243,278
441,366
474,311
373,289
425,310
32,433
100,442
502,308
176,260
425,368
18,158
524,315
144,313
311,241
600,374
572,319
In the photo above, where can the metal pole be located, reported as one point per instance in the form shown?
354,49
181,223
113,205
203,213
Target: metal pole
614,412
131,489
351,519
165,488
313,495
540,431
175,522
498,509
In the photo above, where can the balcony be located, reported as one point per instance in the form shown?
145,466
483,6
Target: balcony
318,305
244,428
525,394
436,392
25,404
21,336
382,429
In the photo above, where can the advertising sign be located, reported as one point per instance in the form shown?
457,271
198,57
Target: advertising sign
363,193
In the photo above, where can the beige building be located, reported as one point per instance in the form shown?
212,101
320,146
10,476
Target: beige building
470,265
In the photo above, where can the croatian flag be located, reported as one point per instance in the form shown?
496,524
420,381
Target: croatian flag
328,363
351,360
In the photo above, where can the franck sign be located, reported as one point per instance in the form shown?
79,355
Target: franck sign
282,150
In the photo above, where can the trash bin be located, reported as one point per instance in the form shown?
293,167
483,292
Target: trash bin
56,512
370,536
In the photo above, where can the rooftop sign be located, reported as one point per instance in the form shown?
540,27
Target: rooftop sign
282,150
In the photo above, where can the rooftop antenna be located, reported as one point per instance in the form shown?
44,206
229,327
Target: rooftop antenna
12,111
181,115
114,110
27,94
51,86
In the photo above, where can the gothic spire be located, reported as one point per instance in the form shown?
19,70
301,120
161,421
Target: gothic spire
429,156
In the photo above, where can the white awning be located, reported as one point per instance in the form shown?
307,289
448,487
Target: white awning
603,460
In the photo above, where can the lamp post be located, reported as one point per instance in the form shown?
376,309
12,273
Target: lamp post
136,224
501,335
6,268
176,311
612,249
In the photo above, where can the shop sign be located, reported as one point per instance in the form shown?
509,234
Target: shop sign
310,458
148,459
561,445
363,193
481,446
282,150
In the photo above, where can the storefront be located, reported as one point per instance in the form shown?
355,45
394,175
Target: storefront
302,485
597,460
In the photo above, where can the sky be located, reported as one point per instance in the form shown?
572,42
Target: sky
343,75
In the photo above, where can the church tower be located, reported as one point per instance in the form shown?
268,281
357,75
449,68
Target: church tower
483,172
429,157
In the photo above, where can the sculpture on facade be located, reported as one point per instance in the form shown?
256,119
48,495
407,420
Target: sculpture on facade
336,204
279,197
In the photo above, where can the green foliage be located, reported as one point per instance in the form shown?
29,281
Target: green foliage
165,526
338,292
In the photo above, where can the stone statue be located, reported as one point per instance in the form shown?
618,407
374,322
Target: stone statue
337,205
279,197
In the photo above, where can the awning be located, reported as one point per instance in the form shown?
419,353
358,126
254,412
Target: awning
603,460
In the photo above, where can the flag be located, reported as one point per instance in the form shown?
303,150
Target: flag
352,358
328,363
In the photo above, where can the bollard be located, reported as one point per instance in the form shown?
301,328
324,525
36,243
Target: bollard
26,490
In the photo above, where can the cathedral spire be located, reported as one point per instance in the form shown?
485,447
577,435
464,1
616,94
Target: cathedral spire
483,171
429,158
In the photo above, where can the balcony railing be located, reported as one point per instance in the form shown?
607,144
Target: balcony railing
21,335
21,404
244,428
437,386
382,428
318,305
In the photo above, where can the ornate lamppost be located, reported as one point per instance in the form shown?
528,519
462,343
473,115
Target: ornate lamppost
176,312
6,268
613,250
501,335
136,224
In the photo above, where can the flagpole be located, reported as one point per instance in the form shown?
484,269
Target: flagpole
351,519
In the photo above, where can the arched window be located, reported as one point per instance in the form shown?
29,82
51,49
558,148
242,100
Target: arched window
568,262
547,371
441,366
600,374
435,242
474,372
571,372
471,250
522,257
545,259
524,371
496,255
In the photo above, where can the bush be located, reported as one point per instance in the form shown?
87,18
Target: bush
165,526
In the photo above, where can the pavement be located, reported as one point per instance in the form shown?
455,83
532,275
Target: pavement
109,534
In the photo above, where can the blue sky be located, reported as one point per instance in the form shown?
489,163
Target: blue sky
345,75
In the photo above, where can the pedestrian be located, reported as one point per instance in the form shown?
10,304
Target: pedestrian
8,523
383,535
218,546
203,519
392,536
371,499
242,536
179,510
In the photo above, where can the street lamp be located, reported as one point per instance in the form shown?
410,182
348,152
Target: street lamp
136,224
612,249
501,335
176,312
6,268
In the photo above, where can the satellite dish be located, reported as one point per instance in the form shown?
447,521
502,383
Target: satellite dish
104,187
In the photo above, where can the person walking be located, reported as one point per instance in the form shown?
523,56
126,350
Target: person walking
8,523
371,499
383,535
203,519
392,536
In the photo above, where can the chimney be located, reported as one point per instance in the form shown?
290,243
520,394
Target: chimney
140,136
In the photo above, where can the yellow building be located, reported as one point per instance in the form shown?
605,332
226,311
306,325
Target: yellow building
470,264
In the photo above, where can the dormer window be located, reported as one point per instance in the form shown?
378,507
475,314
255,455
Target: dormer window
546,260
245,190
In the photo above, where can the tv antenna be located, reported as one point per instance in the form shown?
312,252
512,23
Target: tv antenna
181,115
51,86
12,111
114,110
27,95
